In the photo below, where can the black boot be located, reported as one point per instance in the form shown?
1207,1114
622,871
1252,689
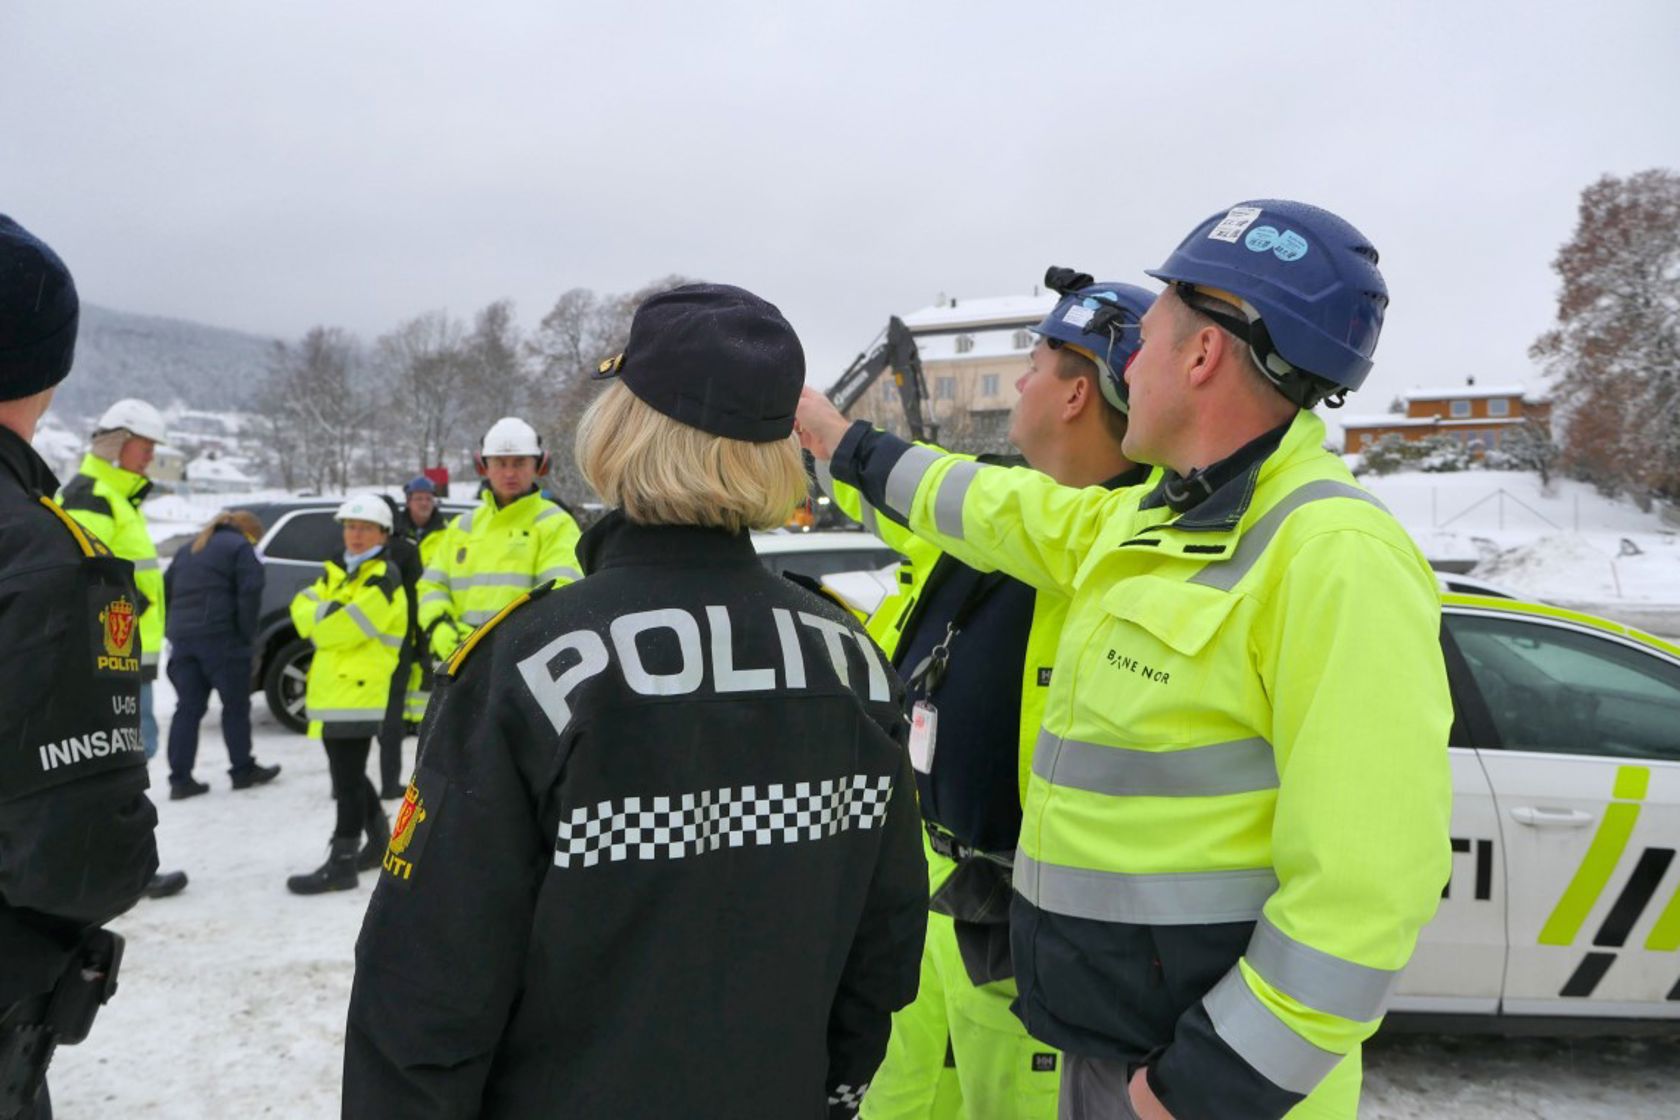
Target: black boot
337,874
378,833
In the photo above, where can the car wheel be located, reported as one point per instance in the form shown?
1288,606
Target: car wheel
284,683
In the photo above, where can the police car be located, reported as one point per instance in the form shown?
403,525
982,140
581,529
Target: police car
1565,749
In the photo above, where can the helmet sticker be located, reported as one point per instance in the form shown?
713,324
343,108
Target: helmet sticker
1290,246
1236,220
1078,315
1261,238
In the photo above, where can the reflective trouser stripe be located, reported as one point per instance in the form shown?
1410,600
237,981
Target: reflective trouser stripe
560,571
1321,981
948,502
366,626
1262,1039
905,478
1227,574
346,715
1177,898
1240,766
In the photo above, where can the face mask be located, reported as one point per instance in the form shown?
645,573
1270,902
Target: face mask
351,563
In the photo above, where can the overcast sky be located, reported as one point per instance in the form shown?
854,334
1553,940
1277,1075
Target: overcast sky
271,166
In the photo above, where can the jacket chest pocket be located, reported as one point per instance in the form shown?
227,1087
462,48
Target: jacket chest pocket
1156,631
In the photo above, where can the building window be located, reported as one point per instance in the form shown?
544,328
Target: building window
965,343
1023,340
1499,406
1460,409
989,385
945,388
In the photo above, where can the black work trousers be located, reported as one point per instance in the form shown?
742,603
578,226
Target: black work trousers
358,801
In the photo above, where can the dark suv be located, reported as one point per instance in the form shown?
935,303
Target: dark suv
300,535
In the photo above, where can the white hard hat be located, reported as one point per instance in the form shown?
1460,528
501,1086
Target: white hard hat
511,436
135,416
365,507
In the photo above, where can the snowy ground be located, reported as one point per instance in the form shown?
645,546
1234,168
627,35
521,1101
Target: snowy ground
233,993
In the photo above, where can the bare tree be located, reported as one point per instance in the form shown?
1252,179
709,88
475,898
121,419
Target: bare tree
424,372
580,331
1614,356
496,369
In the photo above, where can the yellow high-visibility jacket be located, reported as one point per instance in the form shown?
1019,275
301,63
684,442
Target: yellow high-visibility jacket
1237,819
105,500
489,557
356,623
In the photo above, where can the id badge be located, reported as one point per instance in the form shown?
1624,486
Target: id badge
924,728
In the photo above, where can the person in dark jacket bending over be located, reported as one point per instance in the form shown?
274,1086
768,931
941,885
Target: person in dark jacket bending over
213,591
76,843
661,853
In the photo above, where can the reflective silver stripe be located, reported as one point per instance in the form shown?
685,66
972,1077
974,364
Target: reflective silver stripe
149,564
871,519
1228,573
366,626
479,618
1262,1039
493,579
323,609
1321,981
548,575
148,657
905,477
345,715
948,503
435,597
1185,898
310,595
551,511
825,479
435,575
1240,766
466,520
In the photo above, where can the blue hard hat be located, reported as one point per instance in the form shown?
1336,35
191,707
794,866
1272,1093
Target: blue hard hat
1315,297
420,485
1100,321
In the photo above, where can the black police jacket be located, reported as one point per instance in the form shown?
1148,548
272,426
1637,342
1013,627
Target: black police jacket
76,843
214,595
660,856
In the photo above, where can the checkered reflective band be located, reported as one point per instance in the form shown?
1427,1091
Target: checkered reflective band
691,824
847,1096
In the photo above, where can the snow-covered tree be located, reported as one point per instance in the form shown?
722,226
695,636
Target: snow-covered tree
1614,355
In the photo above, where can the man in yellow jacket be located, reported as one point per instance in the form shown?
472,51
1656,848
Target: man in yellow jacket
1237,820
516,540
977,651
105,498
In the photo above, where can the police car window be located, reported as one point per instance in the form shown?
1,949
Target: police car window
311,535
818,564
1552,689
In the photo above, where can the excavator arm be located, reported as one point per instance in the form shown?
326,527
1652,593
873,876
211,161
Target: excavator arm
897,353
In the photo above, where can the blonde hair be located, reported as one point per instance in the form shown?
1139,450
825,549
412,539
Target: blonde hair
242,519
663,472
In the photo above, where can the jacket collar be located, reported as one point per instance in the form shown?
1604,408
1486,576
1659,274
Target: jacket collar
132,486
25,463
615,541
487,500
1214,499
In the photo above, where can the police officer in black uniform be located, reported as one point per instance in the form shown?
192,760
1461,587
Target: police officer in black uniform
76,843
661,855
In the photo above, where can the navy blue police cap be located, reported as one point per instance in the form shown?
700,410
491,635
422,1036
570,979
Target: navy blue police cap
38,314
714,357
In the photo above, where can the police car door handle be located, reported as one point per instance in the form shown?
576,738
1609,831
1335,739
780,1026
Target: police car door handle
1536,817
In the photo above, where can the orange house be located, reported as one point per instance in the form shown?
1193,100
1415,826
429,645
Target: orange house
1474,414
